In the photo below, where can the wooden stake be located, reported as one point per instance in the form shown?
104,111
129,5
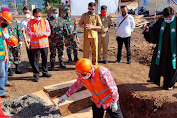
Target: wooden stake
173,6
119,7
155,11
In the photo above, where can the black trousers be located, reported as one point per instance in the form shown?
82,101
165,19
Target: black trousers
35,60
29,53
98,113
120,42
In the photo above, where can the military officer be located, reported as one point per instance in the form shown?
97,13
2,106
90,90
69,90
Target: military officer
14,30
71,40
56,38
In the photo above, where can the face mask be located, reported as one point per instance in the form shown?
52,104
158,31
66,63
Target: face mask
38,19
27,15
124,14
91,11
4,25
168,20
103,13
55,15
87,76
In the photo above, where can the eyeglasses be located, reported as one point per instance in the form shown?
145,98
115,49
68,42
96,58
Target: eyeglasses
81,74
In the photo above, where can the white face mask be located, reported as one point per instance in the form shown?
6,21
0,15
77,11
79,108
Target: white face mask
27,15
168,20
38,19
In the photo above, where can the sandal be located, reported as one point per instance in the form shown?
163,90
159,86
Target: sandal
6,96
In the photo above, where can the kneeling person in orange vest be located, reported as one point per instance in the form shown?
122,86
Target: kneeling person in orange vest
99,81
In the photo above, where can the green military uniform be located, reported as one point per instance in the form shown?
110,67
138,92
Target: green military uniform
14,30
71,36
56,39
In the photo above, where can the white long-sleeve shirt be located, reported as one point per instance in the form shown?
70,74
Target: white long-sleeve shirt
23,26
127,26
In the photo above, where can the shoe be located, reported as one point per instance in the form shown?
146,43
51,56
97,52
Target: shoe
128,62
39,66
170,88
6,96
105,61
76,58
7,89
149,80
11,73
62,64
10,84
52,66
18,71
117,61
51,69
69,59
46,75
36,78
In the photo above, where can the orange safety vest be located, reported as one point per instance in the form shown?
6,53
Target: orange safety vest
40,40
99,91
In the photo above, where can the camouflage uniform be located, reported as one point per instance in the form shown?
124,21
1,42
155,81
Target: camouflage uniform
71,41
14,30
56,39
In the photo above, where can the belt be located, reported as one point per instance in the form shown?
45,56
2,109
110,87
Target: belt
103,32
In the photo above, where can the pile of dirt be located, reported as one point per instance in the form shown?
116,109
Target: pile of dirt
141,50
29,106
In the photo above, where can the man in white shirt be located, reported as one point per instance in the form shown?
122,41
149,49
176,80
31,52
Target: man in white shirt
125,25
23,27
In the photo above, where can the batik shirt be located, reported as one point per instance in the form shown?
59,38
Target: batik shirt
106,79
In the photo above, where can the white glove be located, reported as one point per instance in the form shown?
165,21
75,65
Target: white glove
20,44
114,107
62,98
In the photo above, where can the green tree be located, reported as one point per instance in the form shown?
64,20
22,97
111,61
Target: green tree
29,3
20,8
11,6
52,3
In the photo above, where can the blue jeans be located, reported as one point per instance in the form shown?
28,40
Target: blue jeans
6,73
2,77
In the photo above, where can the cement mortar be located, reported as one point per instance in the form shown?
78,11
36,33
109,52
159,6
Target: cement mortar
29,106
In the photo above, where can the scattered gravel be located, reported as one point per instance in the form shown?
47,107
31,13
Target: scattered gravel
29,106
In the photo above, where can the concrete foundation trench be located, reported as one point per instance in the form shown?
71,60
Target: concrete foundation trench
31,106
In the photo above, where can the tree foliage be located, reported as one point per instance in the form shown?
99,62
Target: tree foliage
52,3
29,3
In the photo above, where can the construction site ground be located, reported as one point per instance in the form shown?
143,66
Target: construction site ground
138,99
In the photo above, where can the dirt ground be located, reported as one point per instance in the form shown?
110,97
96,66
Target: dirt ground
138,99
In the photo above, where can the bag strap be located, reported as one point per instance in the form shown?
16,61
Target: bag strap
122,21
